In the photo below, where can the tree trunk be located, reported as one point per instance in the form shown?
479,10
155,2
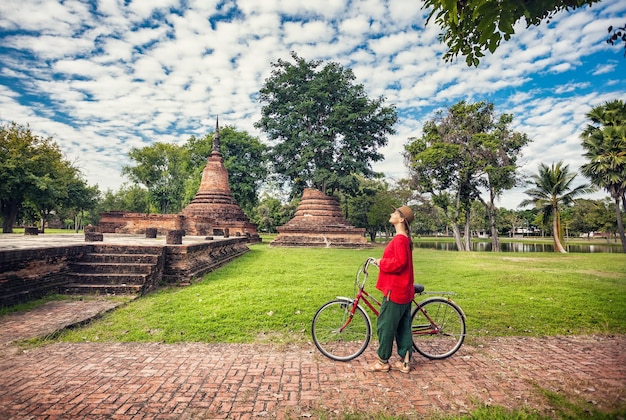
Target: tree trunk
558,247
456,232
9,215
495,240
468,232
491,212
43,223
620,224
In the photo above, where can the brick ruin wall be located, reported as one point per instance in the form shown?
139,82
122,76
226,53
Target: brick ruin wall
193,261
28,274
137,223
123,222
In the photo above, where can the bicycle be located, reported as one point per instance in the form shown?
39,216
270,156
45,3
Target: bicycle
342,329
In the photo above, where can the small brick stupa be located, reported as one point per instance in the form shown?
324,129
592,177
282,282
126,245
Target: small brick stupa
213,210
318,222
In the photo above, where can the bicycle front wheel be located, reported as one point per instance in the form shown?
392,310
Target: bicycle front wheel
339,334
438,328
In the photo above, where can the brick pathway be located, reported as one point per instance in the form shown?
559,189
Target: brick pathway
52,317
217,381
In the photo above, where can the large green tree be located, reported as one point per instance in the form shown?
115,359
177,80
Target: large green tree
472,27
604,142
371,205
32,170
464,153
81,198
552,191
587,216
52,189
323,128
128,197
271,213
161,168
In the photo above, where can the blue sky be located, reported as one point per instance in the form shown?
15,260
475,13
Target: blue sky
101,77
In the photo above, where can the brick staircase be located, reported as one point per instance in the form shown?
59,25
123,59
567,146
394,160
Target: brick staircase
115,270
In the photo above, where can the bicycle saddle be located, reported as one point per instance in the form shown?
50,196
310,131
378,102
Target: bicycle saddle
419,288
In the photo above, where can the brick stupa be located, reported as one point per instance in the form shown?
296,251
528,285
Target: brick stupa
213,210
318,222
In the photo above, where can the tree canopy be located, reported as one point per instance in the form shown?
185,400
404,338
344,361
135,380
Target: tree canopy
34,171
604,142
323,127
472,27
161,168
462,153
552,192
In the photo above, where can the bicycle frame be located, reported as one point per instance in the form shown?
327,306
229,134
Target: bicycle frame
363,295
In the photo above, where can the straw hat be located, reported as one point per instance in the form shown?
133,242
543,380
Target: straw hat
407,213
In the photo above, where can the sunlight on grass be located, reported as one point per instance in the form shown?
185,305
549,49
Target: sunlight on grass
271,295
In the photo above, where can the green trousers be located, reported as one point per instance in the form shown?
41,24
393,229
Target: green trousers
394,323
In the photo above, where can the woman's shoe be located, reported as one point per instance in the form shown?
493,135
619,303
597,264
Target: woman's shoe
378,366
404,367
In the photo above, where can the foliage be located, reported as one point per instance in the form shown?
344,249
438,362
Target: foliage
616,35
34,172
604,142
160,167
552,191
472,27
324,128
590,216
462,153
370,206
129,197
271,213
81,198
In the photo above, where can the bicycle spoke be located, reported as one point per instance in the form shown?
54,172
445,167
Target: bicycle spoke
338,335
438,328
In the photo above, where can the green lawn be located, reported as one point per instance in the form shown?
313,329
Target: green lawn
271,295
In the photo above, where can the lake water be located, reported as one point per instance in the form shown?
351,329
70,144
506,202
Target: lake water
520,247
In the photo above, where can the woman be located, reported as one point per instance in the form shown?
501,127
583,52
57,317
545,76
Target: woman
395,281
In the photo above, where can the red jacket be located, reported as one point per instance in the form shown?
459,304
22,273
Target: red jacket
396,271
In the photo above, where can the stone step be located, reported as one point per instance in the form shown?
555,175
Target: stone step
111,268
125,250
107,278
120,258
102,289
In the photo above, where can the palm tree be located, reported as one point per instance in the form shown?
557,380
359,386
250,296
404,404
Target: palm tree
551,192
604,141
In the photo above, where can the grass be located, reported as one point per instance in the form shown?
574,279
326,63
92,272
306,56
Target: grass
26,306
271,295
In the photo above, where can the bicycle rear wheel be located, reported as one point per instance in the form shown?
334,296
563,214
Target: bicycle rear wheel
438,328
337,333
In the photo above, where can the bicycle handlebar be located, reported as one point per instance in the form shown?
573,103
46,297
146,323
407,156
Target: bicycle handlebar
370,260
360,280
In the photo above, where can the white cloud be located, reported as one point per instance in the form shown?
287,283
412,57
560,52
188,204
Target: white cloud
307,32
128,75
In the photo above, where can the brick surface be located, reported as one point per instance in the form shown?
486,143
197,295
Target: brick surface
234,381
